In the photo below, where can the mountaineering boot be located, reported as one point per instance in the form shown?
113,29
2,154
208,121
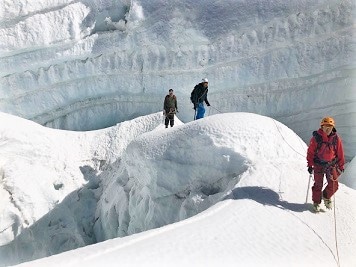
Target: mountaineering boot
327,203
316,207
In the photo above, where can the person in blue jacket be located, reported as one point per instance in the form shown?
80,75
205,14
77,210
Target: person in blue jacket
198,96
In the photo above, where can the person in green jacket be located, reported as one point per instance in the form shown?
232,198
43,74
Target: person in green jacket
170,108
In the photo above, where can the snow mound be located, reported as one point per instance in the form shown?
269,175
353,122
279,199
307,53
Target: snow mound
49,183
348,177
167,176
239,171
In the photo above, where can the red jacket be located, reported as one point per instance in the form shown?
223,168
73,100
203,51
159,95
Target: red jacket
326,152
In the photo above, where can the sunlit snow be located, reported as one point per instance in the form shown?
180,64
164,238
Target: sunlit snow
231,188
239,179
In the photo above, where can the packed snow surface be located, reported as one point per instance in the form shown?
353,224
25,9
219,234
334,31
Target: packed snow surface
196,193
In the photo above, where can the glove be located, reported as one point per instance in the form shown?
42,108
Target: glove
310,170
207,103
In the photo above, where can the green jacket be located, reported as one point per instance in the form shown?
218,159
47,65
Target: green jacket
170,104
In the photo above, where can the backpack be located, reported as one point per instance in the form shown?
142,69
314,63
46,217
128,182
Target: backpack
198,92
194,95
319,141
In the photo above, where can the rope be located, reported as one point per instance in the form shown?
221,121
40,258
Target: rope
197,100
285,139
216,109
337,258
330,178
293,214
333,180
277,129
335,234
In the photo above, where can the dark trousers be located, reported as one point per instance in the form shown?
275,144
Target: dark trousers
169,119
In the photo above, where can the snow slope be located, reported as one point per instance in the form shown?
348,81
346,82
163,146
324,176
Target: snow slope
228,188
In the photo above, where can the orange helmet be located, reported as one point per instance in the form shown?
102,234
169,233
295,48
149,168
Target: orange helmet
327,121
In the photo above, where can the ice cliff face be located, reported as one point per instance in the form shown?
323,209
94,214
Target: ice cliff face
90,64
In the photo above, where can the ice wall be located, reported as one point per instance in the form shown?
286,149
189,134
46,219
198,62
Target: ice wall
90,64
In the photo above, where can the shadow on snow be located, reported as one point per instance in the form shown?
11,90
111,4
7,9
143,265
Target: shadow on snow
266,196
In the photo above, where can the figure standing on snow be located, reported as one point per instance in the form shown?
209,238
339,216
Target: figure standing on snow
325,156
198,96
170,108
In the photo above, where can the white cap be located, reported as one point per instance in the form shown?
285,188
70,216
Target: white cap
204,80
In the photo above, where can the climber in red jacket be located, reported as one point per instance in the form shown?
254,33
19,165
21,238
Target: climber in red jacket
325,156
